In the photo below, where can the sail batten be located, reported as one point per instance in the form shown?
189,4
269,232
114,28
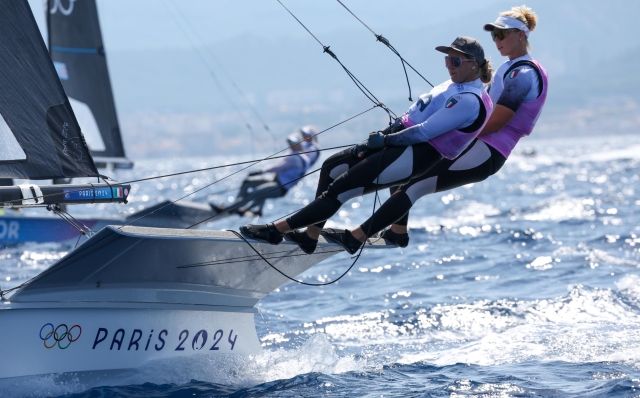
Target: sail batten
77,49
40,135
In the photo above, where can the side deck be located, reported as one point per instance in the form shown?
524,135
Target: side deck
122,266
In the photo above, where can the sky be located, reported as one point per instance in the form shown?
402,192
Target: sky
161,65
147,24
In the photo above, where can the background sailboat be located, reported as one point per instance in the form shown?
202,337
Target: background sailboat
79,57
78,54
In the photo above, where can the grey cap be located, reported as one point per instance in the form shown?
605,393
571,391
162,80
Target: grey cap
466,45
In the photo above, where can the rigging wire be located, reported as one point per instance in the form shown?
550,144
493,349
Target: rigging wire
224,71
355,80
357,257
253,162
213,75
244,168
386,42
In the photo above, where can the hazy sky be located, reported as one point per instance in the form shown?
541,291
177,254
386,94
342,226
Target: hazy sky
155,65
147,24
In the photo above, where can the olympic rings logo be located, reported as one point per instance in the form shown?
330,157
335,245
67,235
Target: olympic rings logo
62,336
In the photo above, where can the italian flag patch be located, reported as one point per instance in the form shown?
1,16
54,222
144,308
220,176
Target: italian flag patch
450,103
513,73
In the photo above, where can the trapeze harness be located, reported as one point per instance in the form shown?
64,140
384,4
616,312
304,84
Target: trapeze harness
409,152
523,89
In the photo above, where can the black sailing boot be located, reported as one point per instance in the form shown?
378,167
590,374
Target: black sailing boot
344,238
400,240
306,244
262,232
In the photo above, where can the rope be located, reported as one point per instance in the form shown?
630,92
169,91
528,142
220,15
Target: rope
254,162
236,164
238,205
386,42
357,257
239,235
355,80
244,168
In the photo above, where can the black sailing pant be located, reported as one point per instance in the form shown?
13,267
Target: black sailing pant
475,164
343,178
264,187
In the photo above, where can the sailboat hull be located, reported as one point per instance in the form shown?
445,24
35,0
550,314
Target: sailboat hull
21,229
45,340
135,294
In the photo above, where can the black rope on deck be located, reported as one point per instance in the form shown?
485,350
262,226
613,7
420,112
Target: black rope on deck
239,235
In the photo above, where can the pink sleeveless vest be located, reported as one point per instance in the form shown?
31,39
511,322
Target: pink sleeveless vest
453,142
522,123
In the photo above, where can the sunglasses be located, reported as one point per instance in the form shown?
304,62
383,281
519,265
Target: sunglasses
501,34
455,62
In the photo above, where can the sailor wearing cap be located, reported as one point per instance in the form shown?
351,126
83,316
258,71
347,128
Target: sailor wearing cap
273,181
441,124
519,91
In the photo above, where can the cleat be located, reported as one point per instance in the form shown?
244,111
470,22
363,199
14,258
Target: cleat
400,240
263,233
303,240
344,238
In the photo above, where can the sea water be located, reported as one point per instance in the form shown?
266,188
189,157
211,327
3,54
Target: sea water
526,284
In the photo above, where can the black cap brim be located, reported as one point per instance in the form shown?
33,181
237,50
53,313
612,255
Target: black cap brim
494,25
446,49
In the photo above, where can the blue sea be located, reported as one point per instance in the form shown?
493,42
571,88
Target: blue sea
524,285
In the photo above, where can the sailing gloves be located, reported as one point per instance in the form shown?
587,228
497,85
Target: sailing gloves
365,148
375,140
360,148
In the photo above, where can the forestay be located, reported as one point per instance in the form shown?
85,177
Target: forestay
39,135
77,50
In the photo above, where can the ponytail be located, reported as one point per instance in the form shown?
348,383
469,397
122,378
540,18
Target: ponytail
486,72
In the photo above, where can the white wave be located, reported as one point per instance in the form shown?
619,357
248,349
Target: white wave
595,257
630,285
317,354
40,386
560,208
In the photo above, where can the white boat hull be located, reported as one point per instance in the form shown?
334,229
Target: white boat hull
132,294
43,341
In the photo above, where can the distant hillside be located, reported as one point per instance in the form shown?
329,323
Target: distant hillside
170,93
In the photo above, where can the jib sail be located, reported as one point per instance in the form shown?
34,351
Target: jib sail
39,135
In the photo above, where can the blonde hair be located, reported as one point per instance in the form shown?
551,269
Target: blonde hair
486,72
525,15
